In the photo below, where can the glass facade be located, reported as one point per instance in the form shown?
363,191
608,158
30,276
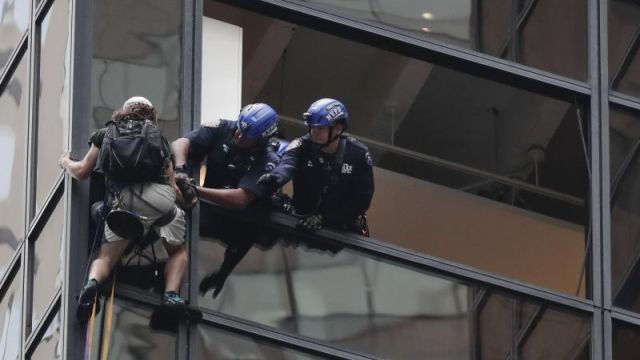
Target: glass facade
14,22
625,245
136,50
214,343
11,317
13,134
545,34
53,97
490,232
47,263
49,347
440,139
366,304
624,42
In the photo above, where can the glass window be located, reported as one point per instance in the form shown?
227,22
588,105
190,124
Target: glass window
545,34
137,51
626,341
625,207
14,22
13,136
451,151
47,262
318,289
131,336
49,346
214,343
11,319
624,42
53,97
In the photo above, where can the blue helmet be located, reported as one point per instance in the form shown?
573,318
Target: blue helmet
258,121
326,112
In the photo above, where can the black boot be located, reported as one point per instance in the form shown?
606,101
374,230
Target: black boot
88,296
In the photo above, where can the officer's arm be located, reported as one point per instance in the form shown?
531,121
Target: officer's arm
180,149
229,198
81,169
288,165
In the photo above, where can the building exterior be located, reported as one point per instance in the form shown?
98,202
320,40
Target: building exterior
505,135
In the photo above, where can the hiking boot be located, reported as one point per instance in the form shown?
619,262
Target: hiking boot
88,296
173,300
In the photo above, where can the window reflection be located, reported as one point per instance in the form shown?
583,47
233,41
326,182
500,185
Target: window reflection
131,337
47,263
626,341
625,208
53,97
13,135
451,151
624,45
214,343
11,319
545,34
14,21
318,289
137,51
49,346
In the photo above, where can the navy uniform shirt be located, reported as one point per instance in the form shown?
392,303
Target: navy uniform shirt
339,186
227,166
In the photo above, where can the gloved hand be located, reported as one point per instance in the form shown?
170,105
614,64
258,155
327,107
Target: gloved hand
273,181
180,173
187,188
281,202
310,223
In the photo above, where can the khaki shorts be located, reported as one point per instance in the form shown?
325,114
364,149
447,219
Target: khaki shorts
151,201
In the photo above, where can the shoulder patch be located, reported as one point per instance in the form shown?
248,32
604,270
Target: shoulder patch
294,144
213,124
368,158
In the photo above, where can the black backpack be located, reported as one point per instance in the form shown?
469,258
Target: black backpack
132,152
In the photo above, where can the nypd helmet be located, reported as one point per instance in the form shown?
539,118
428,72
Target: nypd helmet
258,121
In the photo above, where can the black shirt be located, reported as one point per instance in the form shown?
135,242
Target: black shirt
229,167
339,186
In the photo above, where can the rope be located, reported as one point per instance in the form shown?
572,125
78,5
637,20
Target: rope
107,336
89,338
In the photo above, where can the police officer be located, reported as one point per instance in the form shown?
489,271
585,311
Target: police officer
237,153
332,172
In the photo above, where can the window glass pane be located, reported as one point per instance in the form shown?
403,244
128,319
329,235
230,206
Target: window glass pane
11,319
137,51
133,339
626,341
46,263
214,343
49,346
625,208
545,34
624,45
53,97
14,22
451,151
318,289
13,135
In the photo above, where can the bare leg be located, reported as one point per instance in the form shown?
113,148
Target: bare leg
175,268
110,254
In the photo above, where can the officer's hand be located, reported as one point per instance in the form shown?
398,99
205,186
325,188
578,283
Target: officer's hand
271,180
180,173
310,223
281,202
188,191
